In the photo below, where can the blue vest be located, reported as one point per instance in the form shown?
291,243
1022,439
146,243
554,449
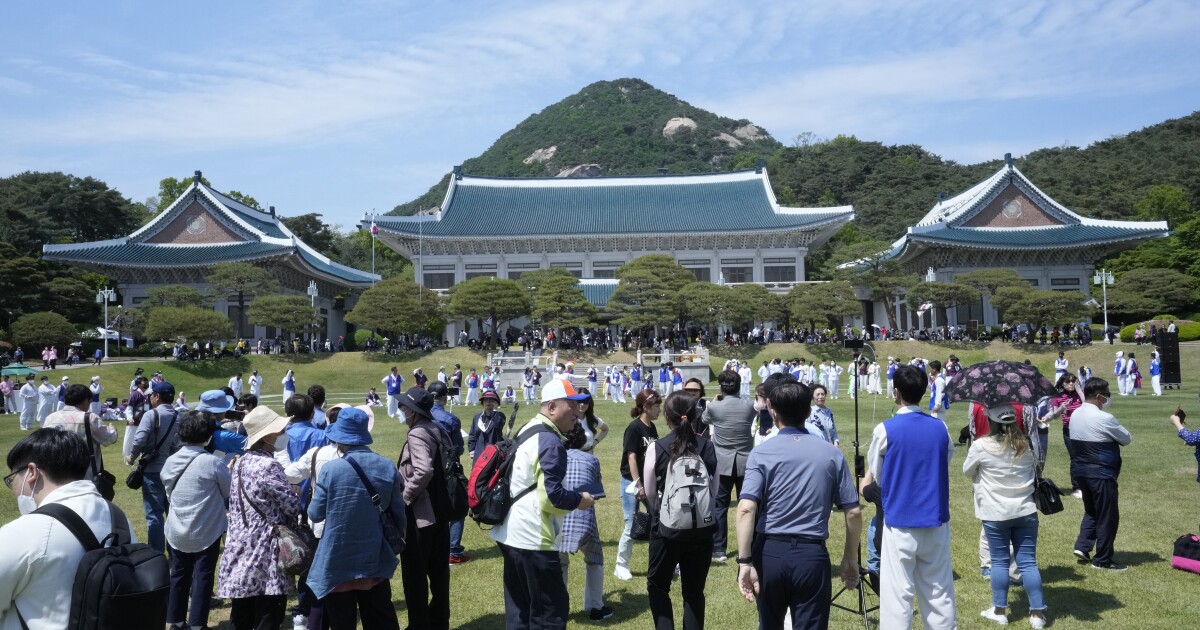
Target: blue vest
393,384
917,454
663,375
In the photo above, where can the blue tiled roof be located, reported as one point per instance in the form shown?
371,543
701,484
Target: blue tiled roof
149,255
691,204
249,215
598,294
341,271
1057,236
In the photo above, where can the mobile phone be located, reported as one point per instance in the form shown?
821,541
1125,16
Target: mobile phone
1180,413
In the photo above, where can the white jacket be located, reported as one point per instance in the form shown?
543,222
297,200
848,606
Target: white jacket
39,558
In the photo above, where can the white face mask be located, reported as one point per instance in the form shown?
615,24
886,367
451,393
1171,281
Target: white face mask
759,404
26,503
1107,400
281,442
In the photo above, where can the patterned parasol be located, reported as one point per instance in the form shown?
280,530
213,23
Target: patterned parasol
993,383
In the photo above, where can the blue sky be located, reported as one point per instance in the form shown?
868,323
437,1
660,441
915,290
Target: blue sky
341,107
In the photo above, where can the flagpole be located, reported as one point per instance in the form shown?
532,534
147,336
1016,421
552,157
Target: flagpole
373,229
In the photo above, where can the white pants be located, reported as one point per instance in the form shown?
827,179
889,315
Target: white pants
28,414
472,395
1122,384
287,394
127,442
1156,383
916,561
10,404
529,394
746,390
664,388
393,406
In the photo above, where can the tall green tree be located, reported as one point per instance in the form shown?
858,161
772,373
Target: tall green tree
1165,202
867,264
1149,292
1049,307
22,278
988,281
43,329
759,304
942,295
40,208
174,295
170,189
354,250
128,320
241,279
648,292
72,298
558,302
823,304
290,313
499,301
187,323
708,305
397,305
313,231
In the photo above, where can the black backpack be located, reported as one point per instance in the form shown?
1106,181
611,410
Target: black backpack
121,586
453,504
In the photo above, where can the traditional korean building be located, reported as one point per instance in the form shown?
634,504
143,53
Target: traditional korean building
204,227
724,227
1005,221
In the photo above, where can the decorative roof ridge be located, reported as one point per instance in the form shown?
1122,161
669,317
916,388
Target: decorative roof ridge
1140,225
597,281
787,210
946,210
336,265
242,207
230,212
153,223
609,180
66,247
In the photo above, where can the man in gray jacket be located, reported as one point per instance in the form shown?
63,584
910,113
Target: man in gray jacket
731,419
154,441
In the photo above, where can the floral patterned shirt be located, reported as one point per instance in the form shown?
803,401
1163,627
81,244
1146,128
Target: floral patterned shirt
248,565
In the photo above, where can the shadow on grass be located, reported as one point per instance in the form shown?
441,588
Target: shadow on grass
1138,558
486,622
626,606
1078,603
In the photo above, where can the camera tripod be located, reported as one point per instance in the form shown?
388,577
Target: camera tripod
862,607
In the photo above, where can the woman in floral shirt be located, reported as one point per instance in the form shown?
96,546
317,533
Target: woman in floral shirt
249,573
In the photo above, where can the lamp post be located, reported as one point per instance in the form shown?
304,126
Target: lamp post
931,276
312,294
1104,279
105,295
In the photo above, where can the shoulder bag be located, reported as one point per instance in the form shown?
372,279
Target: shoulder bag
296,541
106,482
134,480
1047,496
640,529
391,532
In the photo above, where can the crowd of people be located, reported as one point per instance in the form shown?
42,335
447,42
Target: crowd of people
220,479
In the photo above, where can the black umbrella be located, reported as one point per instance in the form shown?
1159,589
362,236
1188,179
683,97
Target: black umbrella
994,383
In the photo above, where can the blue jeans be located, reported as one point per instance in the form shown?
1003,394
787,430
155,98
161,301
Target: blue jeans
456,529
1022,533
628,507
872,548
154,502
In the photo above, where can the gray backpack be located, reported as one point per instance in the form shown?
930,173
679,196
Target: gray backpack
687,501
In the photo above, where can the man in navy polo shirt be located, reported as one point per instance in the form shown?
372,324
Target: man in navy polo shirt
909,458
794,480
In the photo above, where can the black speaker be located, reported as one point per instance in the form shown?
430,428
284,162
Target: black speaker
1168,355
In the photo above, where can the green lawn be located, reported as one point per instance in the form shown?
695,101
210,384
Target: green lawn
1159,495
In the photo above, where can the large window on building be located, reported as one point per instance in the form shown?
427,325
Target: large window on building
700,267
516,269
605,268
476,270
574,268
737,270
779,269
439,280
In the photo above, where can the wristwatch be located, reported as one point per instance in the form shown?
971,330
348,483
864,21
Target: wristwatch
745,561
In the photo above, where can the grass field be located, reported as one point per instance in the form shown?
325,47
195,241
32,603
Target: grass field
1158,493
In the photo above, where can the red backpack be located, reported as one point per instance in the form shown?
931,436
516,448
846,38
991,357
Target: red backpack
488,494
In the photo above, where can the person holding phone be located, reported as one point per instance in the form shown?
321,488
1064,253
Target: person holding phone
1191,438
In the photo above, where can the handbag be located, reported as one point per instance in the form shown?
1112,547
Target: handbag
1187,553
296,541
134,480
391,533
640,529
1047,496
106,482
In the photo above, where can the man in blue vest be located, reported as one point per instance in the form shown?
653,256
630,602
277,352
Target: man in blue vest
393,382
664,380
909,458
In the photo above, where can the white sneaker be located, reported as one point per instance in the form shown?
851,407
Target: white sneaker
299,622
622,573
1037,622
990,613
1078,494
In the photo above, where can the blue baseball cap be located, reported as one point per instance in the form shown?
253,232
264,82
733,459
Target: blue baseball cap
350,429
162,387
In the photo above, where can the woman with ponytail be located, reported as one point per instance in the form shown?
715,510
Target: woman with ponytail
680,472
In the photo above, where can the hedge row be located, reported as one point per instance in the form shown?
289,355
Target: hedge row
1188,330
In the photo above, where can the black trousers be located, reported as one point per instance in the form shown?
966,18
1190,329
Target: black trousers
693,557
374,607
1100,519
263,612
426,575
192,576
535,596
1070,455
721,537
793,574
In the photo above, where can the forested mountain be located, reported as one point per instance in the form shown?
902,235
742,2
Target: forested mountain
619,126
624,127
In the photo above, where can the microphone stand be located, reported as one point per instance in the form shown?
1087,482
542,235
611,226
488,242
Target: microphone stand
861,606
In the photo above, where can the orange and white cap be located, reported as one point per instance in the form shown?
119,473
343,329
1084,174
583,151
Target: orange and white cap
558,389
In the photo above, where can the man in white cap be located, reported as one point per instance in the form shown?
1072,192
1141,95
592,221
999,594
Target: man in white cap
1121,373
535,595
97,389
61,391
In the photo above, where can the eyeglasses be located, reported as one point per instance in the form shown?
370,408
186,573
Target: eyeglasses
8,479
